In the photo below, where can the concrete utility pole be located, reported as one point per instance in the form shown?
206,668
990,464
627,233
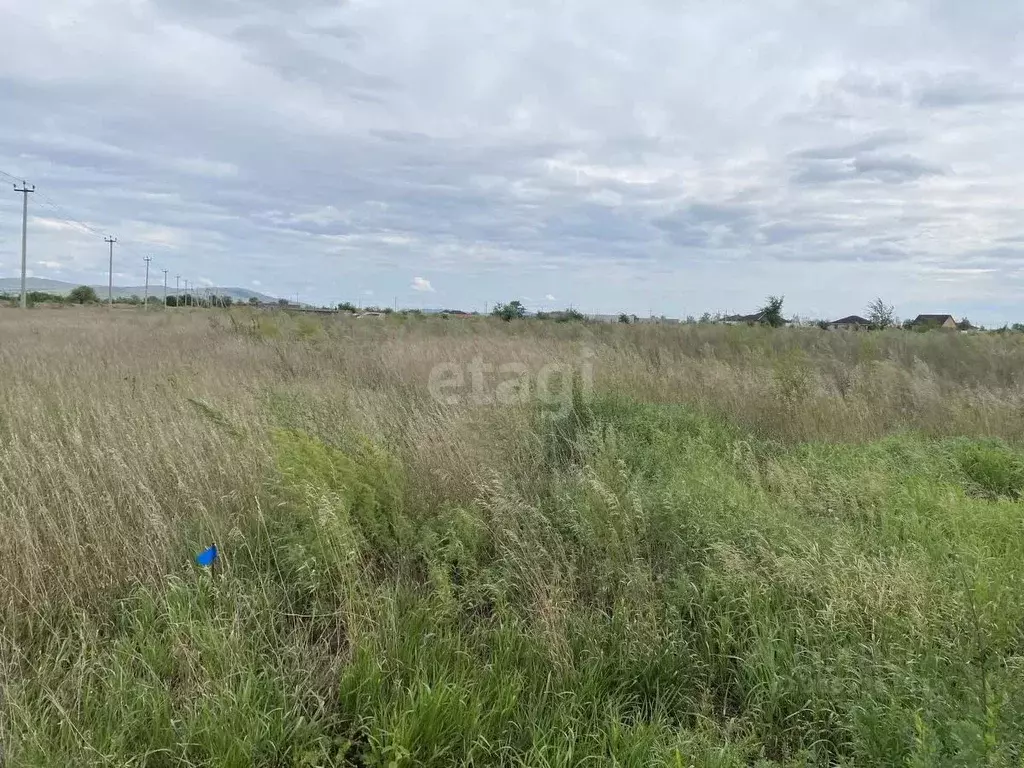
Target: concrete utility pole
110,283
145,297
25,189
165,289
177,290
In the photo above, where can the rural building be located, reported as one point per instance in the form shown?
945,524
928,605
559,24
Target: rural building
934,321
851,323
758,318
754,319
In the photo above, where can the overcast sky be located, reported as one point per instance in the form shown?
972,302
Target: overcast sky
650,155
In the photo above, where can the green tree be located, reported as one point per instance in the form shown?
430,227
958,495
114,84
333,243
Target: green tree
83,294
253,301
964,325
43,297
882,315
772,312
624,318
511,311
347,306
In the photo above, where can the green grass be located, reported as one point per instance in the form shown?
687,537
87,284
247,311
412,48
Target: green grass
659,587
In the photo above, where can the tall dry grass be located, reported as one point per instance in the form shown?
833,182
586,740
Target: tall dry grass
123,432
662,571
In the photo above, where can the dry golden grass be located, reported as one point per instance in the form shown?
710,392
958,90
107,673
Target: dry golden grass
124,431
694,557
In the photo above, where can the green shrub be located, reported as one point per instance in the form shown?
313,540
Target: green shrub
992,468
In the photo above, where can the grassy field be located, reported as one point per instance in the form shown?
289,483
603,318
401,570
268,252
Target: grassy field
681,546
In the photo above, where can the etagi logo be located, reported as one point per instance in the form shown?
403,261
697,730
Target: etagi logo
482,383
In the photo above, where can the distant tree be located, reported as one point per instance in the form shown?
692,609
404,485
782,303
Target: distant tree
569,315
964,325
772,311
511,311
282,302
42,297
253,301
346,306
83,294
823,324
1019,327
882,315
705,318
624,318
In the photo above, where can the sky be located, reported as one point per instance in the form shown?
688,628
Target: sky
662,156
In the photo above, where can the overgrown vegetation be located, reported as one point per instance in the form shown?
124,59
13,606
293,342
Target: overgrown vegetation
747,547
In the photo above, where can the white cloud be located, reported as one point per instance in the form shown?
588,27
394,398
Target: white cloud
549,297
367,293
420,284
199,166
257,283
565,145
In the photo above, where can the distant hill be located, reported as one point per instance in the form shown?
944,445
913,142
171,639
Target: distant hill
12,285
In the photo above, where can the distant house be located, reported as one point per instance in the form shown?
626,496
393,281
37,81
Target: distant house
934,321
851,323
755,319
758,318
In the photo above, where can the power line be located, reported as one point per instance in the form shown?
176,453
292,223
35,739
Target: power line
25,190
145,298
63,215
110,285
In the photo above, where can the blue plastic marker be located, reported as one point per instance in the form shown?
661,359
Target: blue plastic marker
207,556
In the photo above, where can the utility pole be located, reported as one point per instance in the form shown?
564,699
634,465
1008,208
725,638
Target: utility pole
110,284
165,289
145,296
177,290
25,189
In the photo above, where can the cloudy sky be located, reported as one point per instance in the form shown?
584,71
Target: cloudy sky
657,155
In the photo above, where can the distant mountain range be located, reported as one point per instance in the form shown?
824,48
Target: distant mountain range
12,285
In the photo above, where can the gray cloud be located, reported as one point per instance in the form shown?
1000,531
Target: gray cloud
895,169
852,149
966,89
564,147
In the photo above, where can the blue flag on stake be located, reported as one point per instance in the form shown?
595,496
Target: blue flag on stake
207,556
